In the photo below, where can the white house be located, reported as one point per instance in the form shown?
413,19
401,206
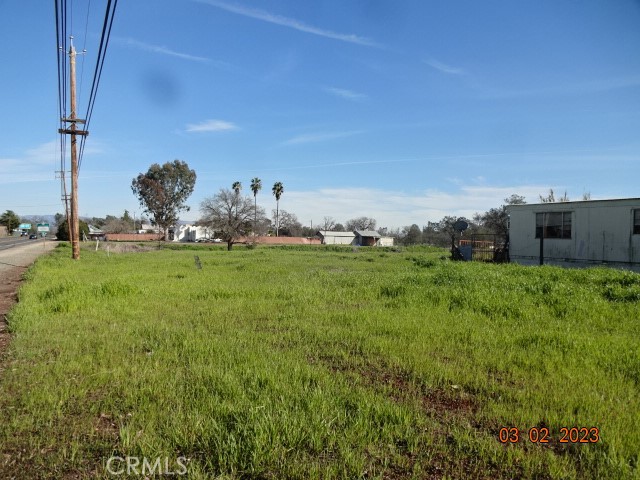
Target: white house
328,237
189,233
584,233
385,242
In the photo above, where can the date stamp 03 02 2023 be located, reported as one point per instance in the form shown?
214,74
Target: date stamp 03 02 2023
542,435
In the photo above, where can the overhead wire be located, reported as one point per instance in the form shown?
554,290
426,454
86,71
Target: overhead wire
61,44
84,47
64,25
102,50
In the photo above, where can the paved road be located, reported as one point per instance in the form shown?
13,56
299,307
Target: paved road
21,252
9,242
16,254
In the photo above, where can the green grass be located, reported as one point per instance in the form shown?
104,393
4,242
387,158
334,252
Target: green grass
319,363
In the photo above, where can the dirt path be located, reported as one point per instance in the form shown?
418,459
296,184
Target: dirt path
13,263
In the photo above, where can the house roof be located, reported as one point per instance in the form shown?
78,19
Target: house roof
367,233
604,201
329,233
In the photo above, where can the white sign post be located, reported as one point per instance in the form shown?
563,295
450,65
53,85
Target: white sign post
44,228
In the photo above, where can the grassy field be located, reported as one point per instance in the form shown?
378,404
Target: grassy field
275,363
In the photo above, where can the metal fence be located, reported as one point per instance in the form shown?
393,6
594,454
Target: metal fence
485,248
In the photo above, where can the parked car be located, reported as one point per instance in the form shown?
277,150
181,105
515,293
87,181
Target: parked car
33,236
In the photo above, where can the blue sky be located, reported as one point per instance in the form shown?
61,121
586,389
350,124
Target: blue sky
402,111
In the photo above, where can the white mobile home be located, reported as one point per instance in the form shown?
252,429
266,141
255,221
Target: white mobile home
358,237
586,233
328,237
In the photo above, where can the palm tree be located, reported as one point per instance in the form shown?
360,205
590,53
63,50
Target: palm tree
278,190
237,186
256,186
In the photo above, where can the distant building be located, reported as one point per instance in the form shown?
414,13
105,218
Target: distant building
3,231
365,238
585,233
328,237
189,233
385,242
95,233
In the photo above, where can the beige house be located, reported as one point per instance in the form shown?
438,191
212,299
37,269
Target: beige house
585,233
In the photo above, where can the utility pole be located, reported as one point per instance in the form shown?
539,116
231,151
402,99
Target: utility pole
74,224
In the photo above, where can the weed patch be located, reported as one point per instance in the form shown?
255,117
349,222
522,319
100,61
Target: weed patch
319,362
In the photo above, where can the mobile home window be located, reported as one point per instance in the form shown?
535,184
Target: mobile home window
636,222
554,224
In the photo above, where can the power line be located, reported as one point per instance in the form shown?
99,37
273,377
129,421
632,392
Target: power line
102,51
61,48
64,18
84,47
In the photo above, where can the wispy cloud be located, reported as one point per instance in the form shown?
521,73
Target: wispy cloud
346,94
319,137
579,88
35,164
265,16
211,126
160,49
444,68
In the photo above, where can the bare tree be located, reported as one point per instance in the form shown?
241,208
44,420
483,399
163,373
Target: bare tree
117,225
328,223
551,198
361,223
289,225
229,215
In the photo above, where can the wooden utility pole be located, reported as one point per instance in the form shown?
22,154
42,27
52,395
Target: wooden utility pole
73,224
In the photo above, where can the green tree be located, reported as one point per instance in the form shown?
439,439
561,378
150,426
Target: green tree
277,190
496,220
229,215
441,233
163,191
411,235
63,230
10,220
256,186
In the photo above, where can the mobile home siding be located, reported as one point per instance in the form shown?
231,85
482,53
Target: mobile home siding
601,233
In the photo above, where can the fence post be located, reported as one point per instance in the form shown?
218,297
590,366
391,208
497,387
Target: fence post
542,247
